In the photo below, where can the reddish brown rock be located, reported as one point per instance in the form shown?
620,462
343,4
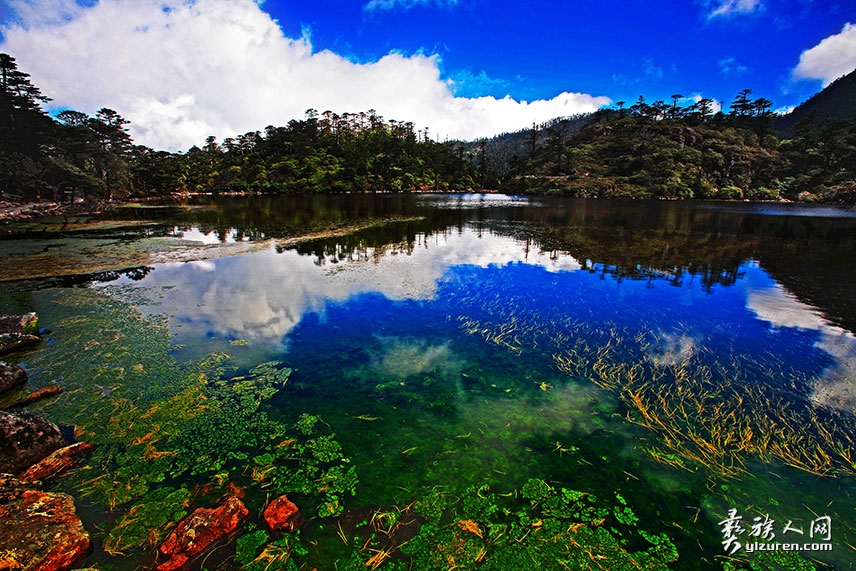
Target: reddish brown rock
36,396
9,483
41,531
25,439
198,531
11,376
58,462
282,514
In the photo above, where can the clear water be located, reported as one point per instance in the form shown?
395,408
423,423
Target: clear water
487,340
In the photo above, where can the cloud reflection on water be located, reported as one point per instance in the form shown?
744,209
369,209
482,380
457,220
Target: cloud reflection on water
836,385
262,296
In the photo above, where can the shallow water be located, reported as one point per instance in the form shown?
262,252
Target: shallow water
692,358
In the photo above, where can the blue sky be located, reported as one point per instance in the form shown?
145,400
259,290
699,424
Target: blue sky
462,68
622,49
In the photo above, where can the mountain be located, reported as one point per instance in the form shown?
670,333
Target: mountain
835,101
505,150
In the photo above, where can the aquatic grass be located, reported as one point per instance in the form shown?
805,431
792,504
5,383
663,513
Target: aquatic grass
710,410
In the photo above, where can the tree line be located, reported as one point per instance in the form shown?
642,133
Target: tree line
666,150
74,154
644,150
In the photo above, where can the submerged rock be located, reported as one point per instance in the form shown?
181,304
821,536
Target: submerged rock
25,439
36,396
9,483
57,462
282,514
198,531
11,376
42,531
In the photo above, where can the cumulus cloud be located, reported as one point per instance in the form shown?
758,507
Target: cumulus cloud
262,297
721,8
831,58
181,70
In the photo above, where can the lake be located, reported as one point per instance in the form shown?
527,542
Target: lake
456,381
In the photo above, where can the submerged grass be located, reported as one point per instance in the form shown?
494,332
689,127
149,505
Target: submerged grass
163,428
707,409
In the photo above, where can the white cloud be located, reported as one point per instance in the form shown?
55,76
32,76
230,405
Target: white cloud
731,7
831,58
261,297
731,67
181,70
835,386
375,5
45,12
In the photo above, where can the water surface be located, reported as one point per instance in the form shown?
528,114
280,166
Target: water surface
692,358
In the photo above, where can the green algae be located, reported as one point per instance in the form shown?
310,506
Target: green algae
253,552
249,546
552,529
160,425
148,520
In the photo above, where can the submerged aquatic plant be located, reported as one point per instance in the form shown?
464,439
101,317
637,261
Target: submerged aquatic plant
551,529
707,409
148,521
159,425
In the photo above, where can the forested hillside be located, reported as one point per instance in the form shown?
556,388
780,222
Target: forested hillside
662,150
76,155
658,150
836,101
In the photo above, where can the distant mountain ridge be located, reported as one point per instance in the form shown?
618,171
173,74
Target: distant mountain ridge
836,101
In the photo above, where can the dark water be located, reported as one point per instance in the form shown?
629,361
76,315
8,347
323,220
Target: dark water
696,358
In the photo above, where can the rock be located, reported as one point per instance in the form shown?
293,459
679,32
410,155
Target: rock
36,396
27,323
10,342
57,462
11,376
198,531
41,531
282,514
9,483
25,439
18,331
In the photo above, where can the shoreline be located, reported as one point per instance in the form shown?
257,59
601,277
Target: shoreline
12,212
